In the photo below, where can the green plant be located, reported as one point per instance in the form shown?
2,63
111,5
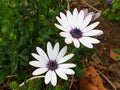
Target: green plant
23,26
112,11
117,51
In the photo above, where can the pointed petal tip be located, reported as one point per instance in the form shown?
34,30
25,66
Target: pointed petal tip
97,23
90,47
57,18
102,32
74,65
55,24
30,62
75,10
32,54
48,42
57,43
65,47
77,46
61,13
72,54
37,48
53,84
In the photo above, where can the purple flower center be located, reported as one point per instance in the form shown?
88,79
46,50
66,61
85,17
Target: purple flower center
76,33
52,65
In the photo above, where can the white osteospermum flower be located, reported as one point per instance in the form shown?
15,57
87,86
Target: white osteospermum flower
75,28
53,63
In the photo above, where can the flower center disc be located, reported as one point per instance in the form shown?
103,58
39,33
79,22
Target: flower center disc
52,65
76,33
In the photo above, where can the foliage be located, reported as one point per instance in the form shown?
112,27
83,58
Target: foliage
118,58
112,11
25,24
117,51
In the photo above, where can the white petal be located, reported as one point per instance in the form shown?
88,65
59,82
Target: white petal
40,58
76,43
80,18
65,34
60,27
91,40
75,14
55,51
48,76
41,53
86,21
61,53
37,64
85,12
95,16
49,50
68,71
70,18
63,24
66,58
68,40
86,42
91,13
36,56
54,79
93,33
67,65
90,27
61,74
39,71
65,21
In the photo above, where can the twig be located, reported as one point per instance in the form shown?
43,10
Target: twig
112,85
71,82
11,76
31,79
91,6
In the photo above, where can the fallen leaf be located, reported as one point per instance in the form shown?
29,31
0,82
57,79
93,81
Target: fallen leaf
91,80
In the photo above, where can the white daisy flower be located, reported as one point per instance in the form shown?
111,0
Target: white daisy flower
52,63
75,28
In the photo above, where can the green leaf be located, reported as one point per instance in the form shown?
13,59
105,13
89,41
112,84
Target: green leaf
105,12
116,5
58,87
14,85
117,51
14,61
32,85
3,73
78,71
118,58
20,74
